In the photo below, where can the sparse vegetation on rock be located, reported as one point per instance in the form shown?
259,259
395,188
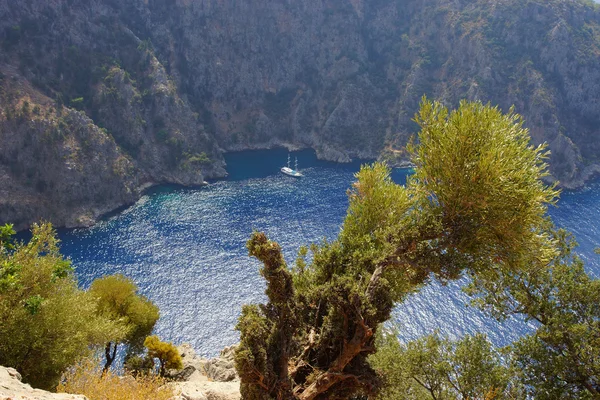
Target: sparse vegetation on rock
87,378
165,84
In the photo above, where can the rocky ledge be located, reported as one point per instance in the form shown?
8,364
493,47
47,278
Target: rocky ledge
11,388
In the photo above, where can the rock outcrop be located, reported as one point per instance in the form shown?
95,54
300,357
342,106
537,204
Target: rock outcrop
11,388
100,99
222,368
207,379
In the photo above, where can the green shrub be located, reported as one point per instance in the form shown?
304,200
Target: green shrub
48,323
167,354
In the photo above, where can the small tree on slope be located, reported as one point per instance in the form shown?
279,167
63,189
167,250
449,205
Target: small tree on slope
167,354
475,203
119,301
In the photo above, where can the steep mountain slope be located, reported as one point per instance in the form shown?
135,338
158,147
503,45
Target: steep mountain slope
165,86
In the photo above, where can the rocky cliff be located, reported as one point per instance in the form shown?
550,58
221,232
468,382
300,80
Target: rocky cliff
101,98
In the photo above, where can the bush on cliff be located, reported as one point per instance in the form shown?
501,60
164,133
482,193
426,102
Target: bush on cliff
6,233
475,205
165,352
46,322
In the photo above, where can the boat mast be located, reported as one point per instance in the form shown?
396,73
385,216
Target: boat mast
296,166
288,160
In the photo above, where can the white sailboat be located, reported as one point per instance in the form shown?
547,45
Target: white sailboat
291,172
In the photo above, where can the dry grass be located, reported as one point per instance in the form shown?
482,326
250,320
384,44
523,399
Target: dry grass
86,379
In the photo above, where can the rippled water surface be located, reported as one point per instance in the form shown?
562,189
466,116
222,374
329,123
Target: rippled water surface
186,248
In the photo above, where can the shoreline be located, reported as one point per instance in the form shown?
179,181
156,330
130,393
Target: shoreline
590,175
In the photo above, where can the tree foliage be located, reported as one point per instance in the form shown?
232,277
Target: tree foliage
268,341
46,322
475,203
167,354
558,360
437,368
6,233
119,301
564,302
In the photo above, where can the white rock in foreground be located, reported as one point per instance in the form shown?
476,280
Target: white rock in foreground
199,387
213,379
11,388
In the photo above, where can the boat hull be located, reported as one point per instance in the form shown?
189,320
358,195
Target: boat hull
291,172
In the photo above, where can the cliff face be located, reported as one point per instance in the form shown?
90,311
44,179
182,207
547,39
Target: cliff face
165,86
90,116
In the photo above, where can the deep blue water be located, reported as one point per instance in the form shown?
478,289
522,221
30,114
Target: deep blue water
186,248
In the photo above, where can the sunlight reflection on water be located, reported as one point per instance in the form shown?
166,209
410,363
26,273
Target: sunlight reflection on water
186,248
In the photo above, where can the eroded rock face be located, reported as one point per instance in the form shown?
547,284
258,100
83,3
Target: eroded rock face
218,369
222,368
123,95
207,379
11,388
58,165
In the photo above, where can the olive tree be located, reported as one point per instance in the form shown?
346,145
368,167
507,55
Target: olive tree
563,301
559,359
475,202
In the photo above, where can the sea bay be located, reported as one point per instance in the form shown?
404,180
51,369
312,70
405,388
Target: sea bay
185,248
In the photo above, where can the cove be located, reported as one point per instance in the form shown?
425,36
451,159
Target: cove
185,248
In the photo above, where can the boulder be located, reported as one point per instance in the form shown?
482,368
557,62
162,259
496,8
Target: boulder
181,375
222,369
191,392
203,389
